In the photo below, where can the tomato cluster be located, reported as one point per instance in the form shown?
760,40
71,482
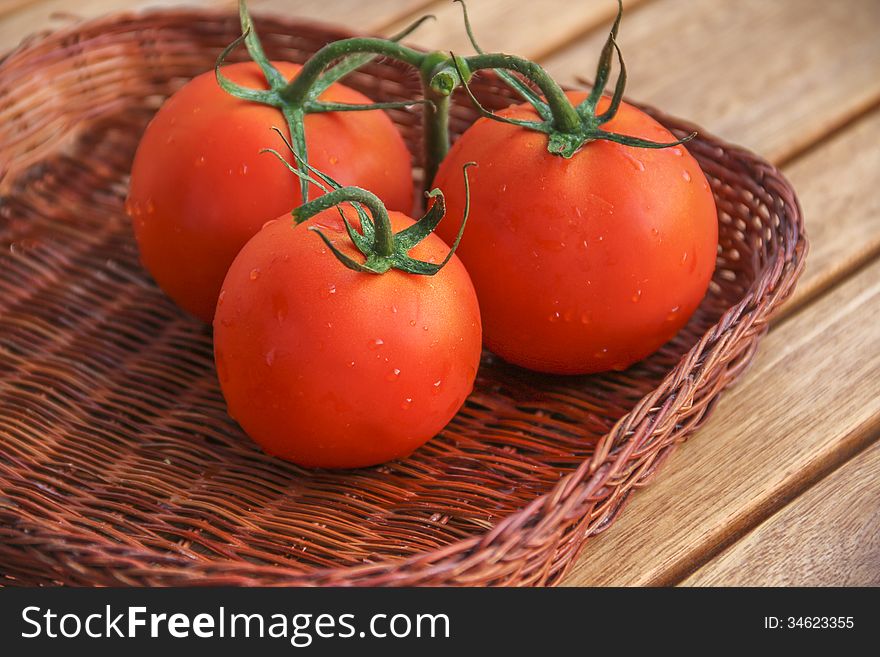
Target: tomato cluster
346,333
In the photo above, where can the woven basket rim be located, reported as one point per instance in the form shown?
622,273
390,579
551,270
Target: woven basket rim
771,287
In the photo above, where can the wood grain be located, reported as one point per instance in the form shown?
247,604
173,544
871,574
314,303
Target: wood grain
530,29
45,15
360,15
829,536
837,186
42,15
778,77
807,403
8,6
773,76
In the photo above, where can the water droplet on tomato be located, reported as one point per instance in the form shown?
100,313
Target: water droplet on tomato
637,164
655,232
270,357
412,322
279,305
554,317
684,257
375,344
394,309
220,298
637,296
586,317
503,187
255,274
351,363
334,159
686,176
169,140
243,169
672,313
200,161
392,375
676,151
425,327
436,387
327,291
406,403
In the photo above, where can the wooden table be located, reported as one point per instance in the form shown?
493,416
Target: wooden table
782,485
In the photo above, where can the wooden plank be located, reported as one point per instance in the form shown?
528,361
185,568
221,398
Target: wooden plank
829,536
837,187
8,6
375,16
54,14
773,76
530,29
809,401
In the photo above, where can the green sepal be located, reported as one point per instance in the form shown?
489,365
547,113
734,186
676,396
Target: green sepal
319,106
565,144
383,254
617,97
343,258
423,268
604,68
255,48
295,123
409,237
627,140
527,93
262,96
522,123
326,183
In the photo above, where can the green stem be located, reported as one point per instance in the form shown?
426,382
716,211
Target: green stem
565,117
435,129
383,241
297,91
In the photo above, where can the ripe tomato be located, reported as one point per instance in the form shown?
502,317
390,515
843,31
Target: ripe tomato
200,188
588,263
328,367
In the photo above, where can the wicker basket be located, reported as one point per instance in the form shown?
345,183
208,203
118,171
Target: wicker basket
118,462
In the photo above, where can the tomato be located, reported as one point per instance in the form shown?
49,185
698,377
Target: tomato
588,263
200,188
329,367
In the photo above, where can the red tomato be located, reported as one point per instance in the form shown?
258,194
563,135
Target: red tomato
328,367
582,264
200,188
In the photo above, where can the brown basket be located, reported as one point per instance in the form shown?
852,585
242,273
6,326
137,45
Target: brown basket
118,462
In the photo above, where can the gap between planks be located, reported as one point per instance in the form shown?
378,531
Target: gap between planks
843,510
838,119
762,456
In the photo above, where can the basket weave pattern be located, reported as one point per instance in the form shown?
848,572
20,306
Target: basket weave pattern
118,462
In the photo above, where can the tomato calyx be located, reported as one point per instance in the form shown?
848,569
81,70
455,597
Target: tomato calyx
382,248
567,127
294,107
